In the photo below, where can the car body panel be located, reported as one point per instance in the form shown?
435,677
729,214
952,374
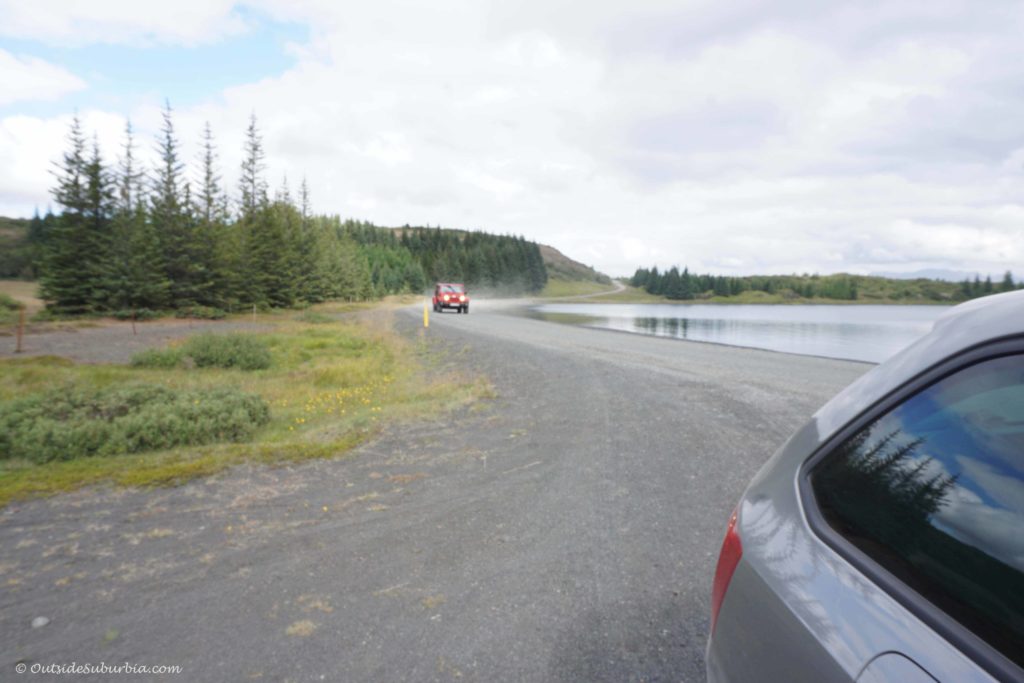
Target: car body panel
892,666
796,609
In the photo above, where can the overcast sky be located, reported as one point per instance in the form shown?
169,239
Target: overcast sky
735,137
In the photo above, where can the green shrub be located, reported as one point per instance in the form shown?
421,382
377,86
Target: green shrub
45,315
158,358
7,303
75,422
202,312
241,351
313,317
138,314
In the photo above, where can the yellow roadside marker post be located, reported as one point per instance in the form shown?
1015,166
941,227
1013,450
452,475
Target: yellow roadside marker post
426,315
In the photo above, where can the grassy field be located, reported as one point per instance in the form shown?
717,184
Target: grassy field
629,295
17,293
330,385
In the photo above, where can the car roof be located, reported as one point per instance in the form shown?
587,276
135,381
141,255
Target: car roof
962,327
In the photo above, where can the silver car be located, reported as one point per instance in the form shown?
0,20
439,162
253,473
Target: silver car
885,540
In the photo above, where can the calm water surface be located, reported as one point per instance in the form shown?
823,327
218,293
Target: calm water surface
867,333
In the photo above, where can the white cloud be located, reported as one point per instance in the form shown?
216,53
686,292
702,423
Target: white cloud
737,137
25,78
71,22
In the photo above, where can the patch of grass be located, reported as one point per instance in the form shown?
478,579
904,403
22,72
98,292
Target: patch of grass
314,318
629,295
242,351
8,309
67,423
7,303
24,292
158,358
329,389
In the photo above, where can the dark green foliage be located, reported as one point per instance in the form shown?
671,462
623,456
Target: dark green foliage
21,245
185,261
75,422
7,303
136,314
69,256
422,256
8,309
134,272
120,244
201,312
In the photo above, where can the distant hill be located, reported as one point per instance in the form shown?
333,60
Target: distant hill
562,267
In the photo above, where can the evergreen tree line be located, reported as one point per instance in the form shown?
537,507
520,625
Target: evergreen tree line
412,258
972,289
674,284
128,239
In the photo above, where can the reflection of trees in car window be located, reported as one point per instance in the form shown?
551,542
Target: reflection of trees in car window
934,492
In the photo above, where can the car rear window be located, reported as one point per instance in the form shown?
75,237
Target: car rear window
934,492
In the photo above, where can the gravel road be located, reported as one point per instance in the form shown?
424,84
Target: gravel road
565,530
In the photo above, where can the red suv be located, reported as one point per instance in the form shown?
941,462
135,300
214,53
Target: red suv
449,295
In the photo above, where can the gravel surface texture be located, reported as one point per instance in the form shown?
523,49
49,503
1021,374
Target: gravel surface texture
114,342
565,530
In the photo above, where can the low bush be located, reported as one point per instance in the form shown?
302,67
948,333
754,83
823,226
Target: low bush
313,317
8,309
75,422
7,303
201,312
241,351
158,358
45,315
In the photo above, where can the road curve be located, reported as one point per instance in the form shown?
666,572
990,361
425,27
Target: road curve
566,529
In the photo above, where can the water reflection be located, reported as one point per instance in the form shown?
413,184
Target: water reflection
868,333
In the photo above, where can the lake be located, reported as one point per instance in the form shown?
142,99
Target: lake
854,332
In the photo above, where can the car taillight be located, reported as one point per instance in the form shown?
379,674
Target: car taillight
728,558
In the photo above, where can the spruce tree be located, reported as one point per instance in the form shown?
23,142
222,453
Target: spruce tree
65,250
251,185
134,271
1007,284
172,216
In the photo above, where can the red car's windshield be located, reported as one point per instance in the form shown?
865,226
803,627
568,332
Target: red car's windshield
453,289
